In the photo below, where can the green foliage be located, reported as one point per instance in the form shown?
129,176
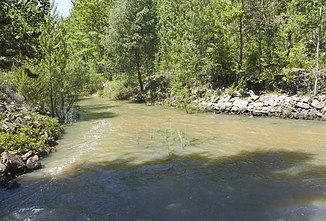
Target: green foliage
130,40
118,90
37,133
238,44
20,26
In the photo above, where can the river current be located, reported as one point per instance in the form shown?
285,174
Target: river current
126,161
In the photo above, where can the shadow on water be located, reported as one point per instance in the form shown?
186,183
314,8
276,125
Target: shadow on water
94,112
274,185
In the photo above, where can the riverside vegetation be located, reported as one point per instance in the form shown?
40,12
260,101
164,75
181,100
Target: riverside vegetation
198,54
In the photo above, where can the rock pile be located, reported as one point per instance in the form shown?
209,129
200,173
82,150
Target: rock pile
293,107
25,137
13,164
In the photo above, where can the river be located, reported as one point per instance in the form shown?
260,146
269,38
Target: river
126,161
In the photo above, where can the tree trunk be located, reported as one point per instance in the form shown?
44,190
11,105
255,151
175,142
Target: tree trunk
318,45
51,88
139,74
241,36
266,30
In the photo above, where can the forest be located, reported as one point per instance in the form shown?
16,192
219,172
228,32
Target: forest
156,49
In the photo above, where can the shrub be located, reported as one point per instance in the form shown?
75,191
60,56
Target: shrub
118,90
33,132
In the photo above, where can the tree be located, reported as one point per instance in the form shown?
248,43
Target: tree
130,40
319,29
86,25
20,23
62,73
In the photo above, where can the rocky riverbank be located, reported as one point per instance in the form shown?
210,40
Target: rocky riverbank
293,107
25,137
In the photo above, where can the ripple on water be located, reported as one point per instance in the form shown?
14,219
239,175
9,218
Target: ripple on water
149,163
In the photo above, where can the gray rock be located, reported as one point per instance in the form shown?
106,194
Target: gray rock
228,105
214,99
266,110
235,109
226,99
323,110
295,98
302,105
280,98
287,99
270,102
264,99
251,106
27,155
305,99
33,163
301,115
13,162
258,105
2,168
319,114
254,97
257,113
241,104
316,104
322,98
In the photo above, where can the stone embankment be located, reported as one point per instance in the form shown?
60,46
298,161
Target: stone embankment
25,137
283,106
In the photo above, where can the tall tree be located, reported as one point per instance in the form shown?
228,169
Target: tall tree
20,23
130,40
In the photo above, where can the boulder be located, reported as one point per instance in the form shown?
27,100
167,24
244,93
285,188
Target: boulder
295,98
280,98
241,104
319,114
302,105
254,97
33,163
301,115
235,109
305,100
2,168
27,155
323,110
226,99
322,98
14,163
271,101
258,105
256,113
316,104
228,105
266,110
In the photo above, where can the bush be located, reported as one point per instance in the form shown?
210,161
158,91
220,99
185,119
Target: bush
118,90
29,132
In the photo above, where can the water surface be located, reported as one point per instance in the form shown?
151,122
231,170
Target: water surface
126,161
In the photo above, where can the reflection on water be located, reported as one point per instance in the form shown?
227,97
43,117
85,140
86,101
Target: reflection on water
151,163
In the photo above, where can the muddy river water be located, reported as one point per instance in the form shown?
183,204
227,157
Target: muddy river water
126,161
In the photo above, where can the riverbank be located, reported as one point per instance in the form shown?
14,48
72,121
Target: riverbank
25,137
283,106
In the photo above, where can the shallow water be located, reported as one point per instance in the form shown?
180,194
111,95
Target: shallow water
126,161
